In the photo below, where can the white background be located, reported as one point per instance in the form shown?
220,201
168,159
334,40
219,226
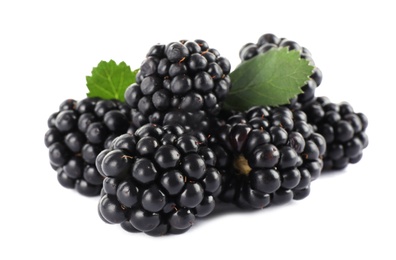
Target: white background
48,47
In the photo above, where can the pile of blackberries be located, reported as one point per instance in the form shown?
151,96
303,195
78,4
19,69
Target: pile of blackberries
171,152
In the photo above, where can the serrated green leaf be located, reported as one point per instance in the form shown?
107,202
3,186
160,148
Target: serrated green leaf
269,79
109,80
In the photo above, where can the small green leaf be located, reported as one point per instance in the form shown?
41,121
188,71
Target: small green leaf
269,79
109,80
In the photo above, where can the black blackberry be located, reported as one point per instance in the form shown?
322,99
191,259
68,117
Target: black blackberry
77,133
343,129
176,81
269,41
267,155
157,180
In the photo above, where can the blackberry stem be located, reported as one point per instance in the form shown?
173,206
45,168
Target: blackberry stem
242,165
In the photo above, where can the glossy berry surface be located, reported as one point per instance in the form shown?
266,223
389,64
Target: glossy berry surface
179,82
77,133
267,156
158,180
343,129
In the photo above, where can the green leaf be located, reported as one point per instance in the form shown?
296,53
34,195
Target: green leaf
269,79
109,80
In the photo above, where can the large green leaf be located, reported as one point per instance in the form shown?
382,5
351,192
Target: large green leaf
269,79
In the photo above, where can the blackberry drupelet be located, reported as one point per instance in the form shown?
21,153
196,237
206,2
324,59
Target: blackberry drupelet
343,129
157,180
77,133
267,155
178,81
269,41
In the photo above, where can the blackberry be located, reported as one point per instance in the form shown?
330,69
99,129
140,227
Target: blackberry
267,155
269,41
157,180
343,129
77,133
176,82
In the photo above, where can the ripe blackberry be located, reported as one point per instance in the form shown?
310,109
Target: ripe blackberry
176,81
157,180
267,155
77,133
343,129
269,41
